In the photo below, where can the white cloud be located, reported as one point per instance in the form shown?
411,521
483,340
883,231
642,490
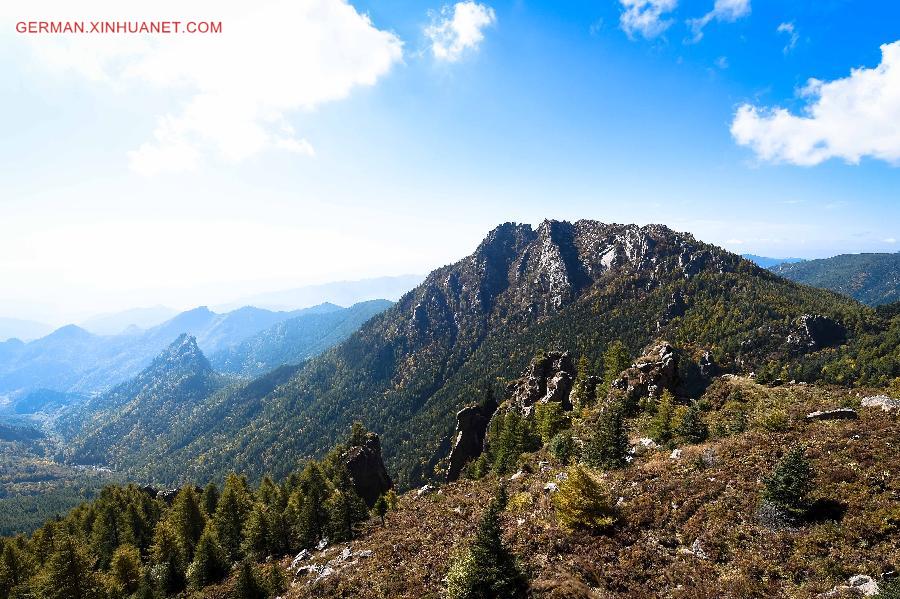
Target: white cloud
725,11
890,240
236,89
646,17
722,62
459,28
846,118
793,36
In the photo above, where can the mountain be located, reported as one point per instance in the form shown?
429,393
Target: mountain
14,328
872,279
345,293
766,262
125,423
477,322
74,360
294,340
118,322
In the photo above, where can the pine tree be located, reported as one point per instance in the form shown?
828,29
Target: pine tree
247,585
581,503
125,567
615,360
380,508
487,570
345,507
312,516
661,425
790,483
275,580
607,446
579,394
168,559
210,499
231,512
68,574
105,533
256,532
209,564
691,428
358,435
12,568
550,419
187,520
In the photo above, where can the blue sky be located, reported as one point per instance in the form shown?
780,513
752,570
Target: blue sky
387,137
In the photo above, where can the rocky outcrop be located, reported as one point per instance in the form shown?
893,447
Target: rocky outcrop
468,440
549,378
651,374
880,401
814,332
367,471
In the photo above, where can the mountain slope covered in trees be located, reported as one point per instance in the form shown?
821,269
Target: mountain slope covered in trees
872,279
576,285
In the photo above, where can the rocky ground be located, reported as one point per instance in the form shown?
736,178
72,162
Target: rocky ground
688,525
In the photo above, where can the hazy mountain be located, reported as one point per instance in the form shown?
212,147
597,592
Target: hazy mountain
26,330
766,262
294,340
577,286
345,293
118,322
873,279
71,359
124,425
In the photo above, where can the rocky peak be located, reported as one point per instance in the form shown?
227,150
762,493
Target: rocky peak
549,377
468,440
651,374
367,471
183,354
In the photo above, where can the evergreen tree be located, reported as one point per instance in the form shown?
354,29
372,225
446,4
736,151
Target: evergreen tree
210,499
487,570
790,483
248,585
691,428
607,446
311,514
231,512
168,559
579,393
187,520
550,419
510,437
661,425
256,532
12,568
209,564
581,503
267,492
125,567
68,574
615,360
105,533
380,508
358,435
345,507
275,580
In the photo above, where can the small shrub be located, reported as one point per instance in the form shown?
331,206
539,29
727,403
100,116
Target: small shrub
691,428
789,485
520,502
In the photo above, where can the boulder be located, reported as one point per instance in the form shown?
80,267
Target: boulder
367,471
836,414
468,440
880,401
813,332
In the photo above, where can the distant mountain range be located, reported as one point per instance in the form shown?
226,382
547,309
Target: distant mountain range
14,328
872,279
345,293
73,360
767,262
118,322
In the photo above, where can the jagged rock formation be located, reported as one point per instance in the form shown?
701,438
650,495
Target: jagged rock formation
468,440
651,374
366,467
549,377
814,332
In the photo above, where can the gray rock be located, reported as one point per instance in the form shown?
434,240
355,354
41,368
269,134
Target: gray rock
814,332
367,471
551,487
424,490
880,401
548,378
836,414
651,374
468,440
